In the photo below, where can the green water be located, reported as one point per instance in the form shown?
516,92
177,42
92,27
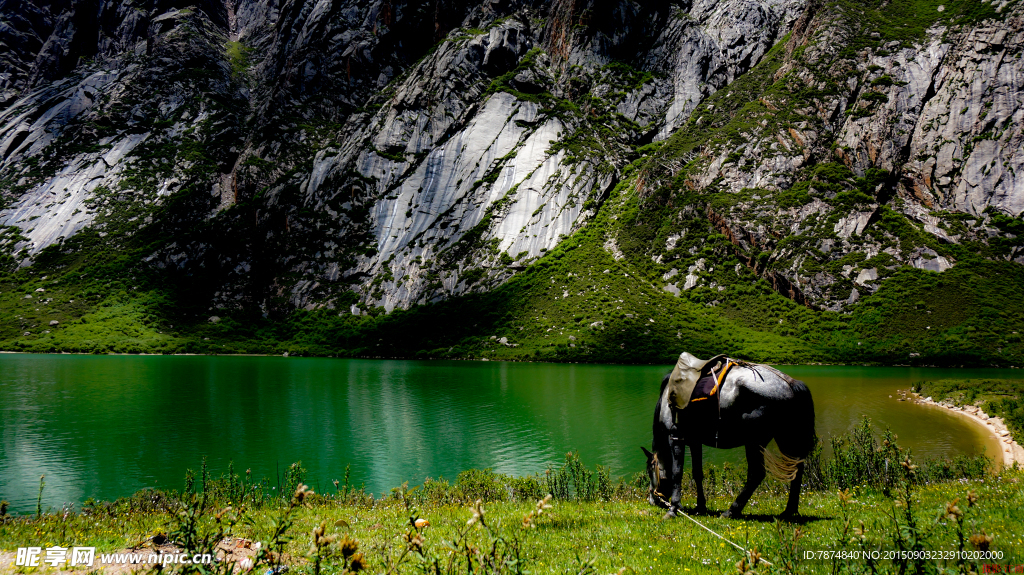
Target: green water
106,426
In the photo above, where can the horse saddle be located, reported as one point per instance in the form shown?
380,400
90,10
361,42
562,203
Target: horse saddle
683,386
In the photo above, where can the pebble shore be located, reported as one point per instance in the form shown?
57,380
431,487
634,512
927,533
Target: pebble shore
1012,451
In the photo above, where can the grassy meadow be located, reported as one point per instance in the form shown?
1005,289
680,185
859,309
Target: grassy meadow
869,495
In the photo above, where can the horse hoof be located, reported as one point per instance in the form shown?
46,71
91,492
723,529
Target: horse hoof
669,514
702,510
788,515
730,514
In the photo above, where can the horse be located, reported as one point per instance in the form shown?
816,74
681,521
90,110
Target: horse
756,403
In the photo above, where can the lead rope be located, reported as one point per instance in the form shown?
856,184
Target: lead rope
702,526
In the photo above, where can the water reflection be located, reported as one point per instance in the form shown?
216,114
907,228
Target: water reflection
106,426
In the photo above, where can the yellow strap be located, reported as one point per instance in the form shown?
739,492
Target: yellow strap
721,377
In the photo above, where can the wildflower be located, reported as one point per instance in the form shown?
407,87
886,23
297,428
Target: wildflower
544,504
301,492
981,541
478,513
861,531
349,547
972,498
415,541
748,569
952,511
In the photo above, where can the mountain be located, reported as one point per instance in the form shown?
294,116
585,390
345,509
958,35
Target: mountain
577,180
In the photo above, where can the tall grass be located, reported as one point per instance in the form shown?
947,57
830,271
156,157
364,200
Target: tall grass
873,487
862,458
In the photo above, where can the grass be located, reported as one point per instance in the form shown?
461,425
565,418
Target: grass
239,56
502,524
607,535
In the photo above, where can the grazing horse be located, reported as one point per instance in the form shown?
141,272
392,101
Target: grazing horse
755,403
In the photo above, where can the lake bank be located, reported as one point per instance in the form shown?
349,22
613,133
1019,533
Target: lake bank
1011,452
995,403
557,361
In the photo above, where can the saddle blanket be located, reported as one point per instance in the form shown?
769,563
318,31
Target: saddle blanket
704,388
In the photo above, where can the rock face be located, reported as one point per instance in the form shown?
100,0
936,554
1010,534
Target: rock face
350,155
437,177
950,115
78,152
878,152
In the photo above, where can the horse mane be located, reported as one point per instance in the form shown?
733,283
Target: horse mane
784,377
661,432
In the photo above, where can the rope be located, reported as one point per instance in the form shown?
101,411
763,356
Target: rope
706,528
702,526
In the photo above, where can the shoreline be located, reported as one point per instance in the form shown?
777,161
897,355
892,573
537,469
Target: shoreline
1011,451
312,356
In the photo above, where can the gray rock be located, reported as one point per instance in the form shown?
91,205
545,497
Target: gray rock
866,275
854,296
927,259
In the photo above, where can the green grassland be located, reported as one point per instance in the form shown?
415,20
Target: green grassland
868,496
581,537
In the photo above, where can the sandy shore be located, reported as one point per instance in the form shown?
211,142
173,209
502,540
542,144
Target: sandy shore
1012,451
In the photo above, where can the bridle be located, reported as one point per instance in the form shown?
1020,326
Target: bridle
654,468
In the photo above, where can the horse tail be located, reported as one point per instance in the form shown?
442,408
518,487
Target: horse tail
797,439
781,467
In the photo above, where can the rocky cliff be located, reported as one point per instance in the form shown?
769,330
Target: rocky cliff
774,177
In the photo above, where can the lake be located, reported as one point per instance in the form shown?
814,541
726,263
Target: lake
107,426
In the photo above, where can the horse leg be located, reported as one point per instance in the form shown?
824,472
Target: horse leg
794,493
678,459
697,456
755,475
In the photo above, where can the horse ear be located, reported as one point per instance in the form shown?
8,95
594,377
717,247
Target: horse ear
647,453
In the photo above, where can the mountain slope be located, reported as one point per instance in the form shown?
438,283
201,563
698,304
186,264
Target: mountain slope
600,181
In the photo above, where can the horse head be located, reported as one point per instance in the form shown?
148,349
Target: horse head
657,476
